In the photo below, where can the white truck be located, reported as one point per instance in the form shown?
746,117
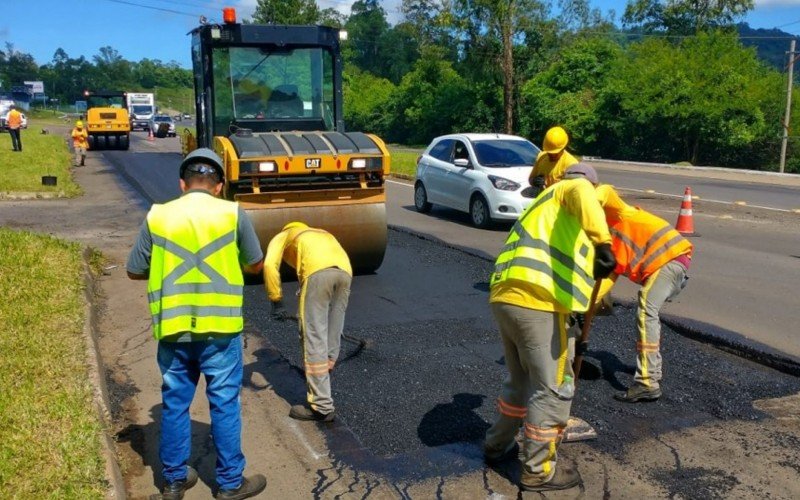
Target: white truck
141,108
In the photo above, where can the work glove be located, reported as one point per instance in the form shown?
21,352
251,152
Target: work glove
279,312
604,261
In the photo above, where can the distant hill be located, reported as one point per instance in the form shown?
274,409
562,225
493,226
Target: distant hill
770,49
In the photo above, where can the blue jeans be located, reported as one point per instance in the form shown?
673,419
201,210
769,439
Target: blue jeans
181,364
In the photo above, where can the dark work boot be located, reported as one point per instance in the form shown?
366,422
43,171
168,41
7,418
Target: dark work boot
637,393
300,412
176,489
250,487
563,479
511,454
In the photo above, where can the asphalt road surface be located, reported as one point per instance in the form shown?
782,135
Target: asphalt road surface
743,280
414,404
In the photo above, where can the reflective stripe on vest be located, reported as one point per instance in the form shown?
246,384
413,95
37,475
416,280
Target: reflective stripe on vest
548,249
643,243
195,283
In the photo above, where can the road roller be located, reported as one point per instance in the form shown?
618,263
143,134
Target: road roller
107,121
268,100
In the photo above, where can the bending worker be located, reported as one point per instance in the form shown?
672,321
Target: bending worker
192,251
324,272
80,141
652,254
547,270
553,160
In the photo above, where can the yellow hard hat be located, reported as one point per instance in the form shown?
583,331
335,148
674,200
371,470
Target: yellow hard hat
79,124
555,140
293,225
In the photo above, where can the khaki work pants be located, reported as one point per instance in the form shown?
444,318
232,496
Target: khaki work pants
323,301
538,390
80,156
663,285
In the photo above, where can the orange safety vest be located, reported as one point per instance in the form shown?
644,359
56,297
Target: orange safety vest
14,119
642,243
79,138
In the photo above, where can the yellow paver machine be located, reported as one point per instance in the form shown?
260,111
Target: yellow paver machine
268,100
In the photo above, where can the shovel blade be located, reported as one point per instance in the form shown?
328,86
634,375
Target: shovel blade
578,430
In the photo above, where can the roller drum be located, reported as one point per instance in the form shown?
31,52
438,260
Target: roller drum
360,228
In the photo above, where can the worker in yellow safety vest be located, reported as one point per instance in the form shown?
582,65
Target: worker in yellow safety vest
552,161
324,272
546,270
192,251
651,253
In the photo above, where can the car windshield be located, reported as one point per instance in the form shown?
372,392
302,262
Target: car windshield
162,119
142,110
505,152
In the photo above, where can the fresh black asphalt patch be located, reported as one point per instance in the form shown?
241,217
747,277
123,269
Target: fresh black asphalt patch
419,398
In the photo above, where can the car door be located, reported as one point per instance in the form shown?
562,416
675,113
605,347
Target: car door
437,164
460,179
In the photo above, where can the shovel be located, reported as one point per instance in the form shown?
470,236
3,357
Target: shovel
577,428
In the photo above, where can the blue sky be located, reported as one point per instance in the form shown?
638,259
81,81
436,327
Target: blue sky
81,27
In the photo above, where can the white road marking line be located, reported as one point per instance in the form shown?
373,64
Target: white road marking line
302,438
400,183
705,200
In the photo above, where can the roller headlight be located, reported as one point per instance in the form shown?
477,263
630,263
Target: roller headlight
503,184
366,163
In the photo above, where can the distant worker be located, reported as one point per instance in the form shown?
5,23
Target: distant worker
653,254
14,124
547,270
192,251
324,272
552,161
80,141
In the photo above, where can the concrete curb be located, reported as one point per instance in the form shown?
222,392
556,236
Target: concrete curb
690,168
23,195
405,177
116,484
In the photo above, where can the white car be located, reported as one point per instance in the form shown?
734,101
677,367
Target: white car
481,174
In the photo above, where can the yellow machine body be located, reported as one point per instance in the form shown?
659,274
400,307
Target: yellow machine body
269,102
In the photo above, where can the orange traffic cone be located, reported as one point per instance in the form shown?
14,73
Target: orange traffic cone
685,224
150,136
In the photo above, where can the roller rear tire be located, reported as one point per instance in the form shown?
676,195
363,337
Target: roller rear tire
124,142
101,141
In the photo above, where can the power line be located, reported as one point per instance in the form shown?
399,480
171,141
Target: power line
171,11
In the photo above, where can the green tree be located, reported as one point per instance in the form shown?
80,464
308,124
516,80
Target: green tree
566,93
503,23
286,12
365,27
684,16
690,101
431,100
366,101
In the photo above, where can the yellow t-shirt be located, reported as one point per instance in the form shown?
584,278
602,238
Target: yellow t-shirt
551,171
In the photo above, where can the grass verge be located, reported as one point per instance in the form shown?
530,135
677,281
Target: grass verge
404,159
49,429
41,155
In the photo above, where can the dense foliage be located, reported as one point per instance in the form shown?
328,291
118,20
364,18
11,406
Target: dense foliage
675,83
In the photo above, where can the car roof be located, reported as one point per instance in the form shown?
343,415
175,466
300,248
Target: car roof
480,137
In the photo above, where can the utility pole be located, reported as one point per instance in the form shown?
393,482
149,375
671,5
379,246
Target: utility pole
785,141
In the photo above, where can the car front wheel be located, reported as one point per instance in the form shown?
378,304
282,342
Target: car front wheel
479,212
421,202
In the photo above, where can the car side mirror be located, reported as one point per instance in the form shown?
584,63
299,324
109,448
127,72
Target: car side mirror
461,162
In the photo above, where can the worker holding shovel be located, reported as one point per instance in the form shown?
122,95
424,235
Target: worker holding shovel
546,271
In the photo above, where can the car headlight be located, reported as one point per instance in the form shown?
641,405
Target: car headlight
503,184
